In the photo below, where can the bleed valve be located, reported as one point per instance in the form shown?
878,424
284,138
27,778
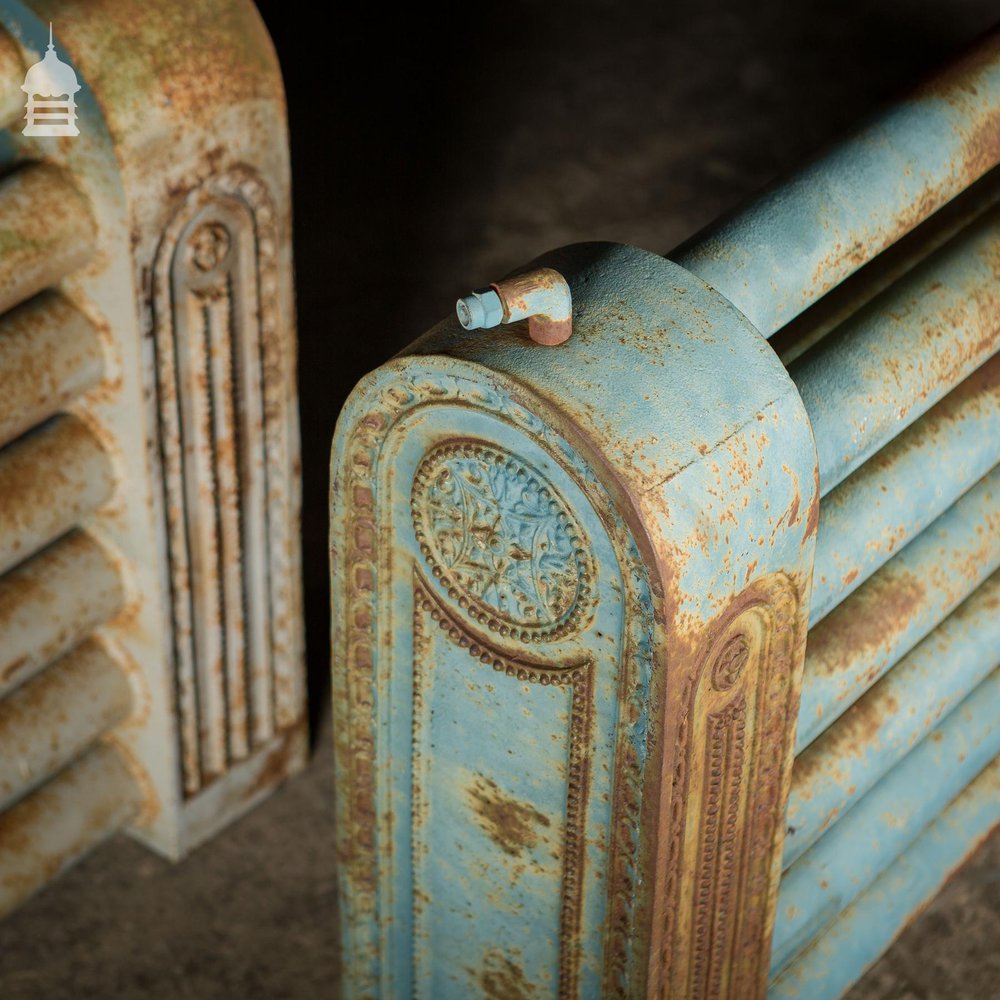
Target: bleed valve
542,297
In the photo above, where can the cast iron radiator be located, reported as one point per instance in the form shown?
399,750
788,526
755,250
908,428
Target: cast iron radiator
150,648
665,656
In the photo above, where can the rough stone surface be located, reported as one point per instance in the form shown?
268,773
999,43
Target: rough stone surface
430,156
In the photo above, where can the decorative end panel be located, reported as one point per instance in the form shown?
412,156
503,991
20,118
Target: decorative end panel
733,720
175,265
568,630
493,629
224,396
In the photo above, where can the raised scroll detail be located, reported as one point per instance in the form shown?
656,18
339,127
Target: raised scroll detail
492,528
222,405
730,663
734,729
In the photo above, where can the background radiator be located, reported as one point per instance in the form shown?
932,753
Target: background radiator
665,643
150,636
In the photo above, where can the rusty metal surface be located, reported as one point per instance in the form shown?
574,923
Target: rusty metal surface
542,297
853,646
50,354
891,362
855,851
901,489
54,600
198,135
48,231
443,454
251,781
855,292
876,731
607,726
475,819
50,479
803,236
223,411
869,925
609,390
182,167
51,719
52,827
12,67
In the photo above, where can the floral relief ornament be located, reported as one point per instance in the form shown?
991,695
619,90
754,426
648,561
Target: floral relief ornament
494,530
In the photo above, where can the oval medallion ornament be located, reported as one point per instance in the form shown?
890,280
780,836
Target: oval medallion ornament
733,658
502,541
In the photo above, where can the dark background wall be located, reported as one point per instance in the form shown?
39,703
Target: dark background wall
431,154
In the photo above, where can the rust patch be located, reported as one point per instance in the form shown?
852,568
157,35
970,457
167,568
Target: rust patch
859,726
49,479
96,791
792,515
851,736
501,979
865,621
227,57
49,354
12,669
541,296
812,520
41,248
277,766
512,825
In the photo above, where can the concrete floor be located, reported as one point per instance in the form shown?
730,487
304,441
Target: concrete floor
434,167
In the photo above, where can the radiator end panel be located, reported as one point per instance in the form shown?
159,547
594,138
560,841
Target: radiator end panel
182,161
623,541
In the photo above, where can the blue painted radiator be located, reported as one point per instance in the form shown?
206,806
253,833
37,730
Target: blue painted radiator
666,604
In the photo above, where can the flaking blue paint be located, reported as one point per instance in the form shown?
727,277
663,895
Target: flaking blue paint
633,411
922,693
829,876
780,253
859,935
953,542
